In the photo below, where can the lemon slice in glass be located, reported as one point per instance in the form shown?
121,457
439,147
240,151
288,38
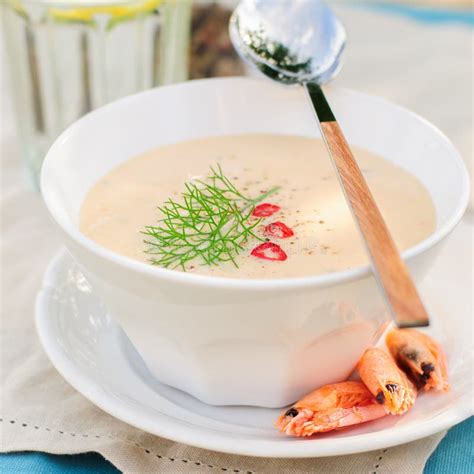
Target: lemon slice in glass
114,10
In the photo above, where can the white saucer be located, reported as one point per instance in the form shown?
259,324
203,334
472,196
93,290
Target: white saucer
95,357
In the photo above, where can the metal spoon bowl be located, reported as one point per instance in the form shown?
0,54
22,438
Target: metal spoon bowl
289,41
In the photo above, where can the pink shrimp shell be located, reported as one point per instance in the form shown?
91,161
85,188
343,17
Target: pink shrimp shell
307,422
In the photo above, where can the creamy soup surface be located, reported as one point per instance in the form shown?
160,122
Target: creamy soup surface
325,239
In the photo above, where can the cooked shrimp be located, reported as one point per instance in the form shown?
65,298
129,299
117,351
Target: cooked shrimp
329,408
419,355
389,385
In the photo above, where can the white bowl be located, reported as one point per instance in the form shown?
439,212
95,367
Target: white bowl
229,341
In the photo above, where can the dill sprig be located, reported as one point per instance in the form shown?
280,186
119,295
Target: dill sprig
210,224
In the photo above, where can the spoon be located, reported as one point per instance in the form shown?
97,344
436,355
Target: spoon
301,42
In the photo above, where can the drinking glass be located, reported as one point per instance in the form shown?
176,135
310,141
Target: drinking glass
68,57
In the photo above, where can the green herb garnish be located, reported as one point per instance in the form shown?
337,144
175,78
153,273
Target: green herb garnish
210,224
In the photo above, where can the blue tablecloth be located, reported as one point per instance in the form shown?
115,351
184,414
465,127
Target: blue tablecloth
454,455
422,14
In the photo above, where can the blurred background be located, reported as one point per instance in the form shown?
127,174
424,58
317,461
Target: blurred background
60,59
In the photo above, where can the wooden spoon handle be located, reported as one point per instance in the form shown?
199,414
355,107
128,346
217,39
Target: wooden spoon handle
391,272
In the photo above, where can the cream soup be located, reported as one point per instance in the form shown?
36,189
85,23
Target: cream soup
312,206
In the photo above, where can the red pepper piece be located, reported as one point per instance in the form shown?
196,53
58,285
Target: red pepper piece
265,209
279,230
269,251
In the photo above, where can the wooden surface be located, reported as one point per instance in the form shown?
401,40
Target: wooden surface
400,291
